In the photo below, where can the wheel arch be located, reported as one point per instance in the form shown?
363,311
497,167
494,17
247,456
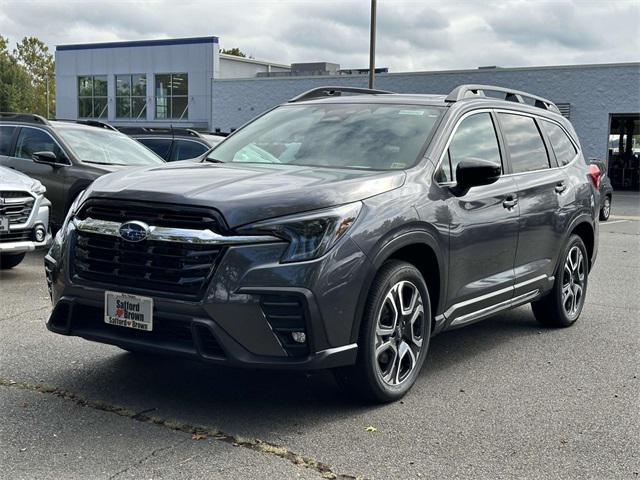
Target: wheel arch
583,227
418,247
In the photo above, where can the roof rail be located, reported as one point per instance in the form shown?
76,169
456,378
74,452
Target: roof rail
137,130
91,123
473,91
97,123
24,117
335,92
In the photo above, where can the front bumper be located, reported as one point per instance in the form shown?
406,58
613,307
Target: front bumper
234,322
39,218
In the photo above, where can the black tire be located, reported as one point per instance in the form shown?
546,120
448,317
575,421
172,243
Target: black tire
554,310
605,210
403,358
8,261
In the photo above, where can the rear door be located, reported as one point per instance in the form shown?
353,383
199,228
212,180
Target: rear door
161,146
184,149
483,225
541,193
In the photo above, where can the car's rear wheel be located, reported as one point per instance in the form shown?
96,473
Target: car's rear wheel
562,306
8,261
394,336
605,211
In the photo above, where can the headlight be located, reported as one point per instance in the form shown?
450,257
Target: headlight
38,188
72,211
310,235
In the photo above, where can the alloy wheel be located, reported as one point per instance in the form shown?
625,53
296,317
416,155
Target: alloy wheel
400,327
606,208
573,281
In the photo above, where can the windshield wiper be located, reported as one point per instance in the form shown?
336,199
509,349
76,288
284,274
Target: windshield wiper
102,163
213,160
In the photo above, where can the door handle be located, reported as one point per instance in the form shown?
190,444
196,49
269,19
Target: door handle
510,202
560,187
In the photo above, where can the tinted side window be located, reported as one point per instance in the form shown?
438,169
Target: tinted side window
184,149
524,142
160,146
562,146
6,135
32,140
474,138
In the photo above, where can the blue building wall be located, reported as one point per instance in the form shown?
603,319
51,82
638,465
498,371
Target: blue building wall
593,91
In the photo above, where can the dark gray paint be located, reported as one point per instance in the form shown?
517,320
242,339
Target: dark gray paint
484,254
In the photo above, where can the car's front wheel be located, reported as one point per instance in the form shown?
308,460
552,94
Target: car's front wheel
562,306
394,336
10,261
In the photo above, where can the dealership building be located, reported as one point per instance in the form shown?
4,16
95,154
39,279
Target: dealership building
188,83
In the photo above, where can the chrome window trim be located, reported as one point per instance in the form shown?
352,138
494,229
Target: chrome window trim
43,130
177,235
503,110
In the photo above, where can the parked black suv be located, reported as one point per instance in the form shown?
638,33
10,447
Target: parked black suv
66,156
337,231
174,144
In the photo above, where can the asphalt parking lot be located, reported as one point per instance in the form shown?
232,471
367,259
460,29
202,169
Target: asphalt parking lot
504,398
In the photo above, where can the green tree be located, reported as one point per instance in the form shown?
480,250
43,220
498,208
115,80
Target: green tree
35,57
16,87
233,51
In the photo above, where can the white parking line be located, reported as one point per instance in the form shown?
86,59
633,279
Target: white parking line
616,221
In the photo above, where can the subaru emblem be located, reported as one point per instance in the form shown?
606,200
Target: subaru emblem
134,231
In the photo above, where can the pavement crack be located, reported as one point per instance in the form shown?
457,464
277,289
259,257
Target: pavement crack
197,432
145,458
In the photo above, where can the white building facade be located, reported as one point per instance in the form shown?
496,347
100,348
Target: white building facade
152,83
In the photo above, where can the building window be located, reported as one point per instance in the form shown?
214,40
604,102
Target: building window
172,96
92,96
131,96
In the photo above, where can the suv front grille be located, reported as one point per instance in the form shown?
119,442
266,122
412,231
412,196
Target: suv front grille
175,269
17,206
159,215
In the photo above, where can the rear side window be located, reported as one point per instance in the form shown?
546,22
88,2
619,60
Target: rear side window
185,149
6,135
32,140
562,146
474,138
524,143
160,146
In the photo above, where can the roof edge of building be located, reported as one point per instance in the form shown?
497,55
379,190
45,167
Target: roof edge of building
138,43
446,72
236,58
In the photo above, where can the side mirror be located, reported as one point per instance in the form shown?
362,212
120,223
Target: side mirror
473,172
48,158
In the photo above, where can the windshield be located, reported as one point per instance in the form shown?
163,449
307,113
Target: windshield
368,136
107,147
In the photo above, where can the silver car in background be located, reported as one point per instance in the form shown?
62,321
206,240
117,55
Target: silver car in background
24,217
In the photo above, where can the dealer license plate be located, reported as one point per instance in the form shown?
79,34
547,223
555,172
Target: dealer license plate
4,224
126,310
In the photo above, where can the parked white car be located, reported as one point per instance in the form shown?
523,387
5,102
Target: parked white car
24,217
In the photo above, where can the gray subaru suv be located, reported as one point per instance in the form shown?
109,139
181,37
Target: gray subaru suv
341,230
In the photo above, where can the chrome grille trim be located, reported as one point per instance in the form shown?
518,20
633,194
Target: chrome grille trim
177,235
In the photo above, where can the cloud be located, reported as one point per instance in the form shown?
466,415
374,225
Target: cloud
412,35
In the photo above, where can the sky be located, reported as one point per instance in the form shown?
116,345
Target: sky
412,35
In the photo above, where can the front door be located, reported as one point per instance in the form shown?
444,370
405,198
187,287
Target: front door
31,140
483,233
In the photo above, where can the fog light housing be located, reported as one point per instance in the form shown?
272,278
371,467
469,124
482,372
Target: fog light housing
299,337
40,233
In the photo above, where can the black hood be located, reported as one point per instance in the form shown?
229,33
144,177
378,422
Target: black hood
246,193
